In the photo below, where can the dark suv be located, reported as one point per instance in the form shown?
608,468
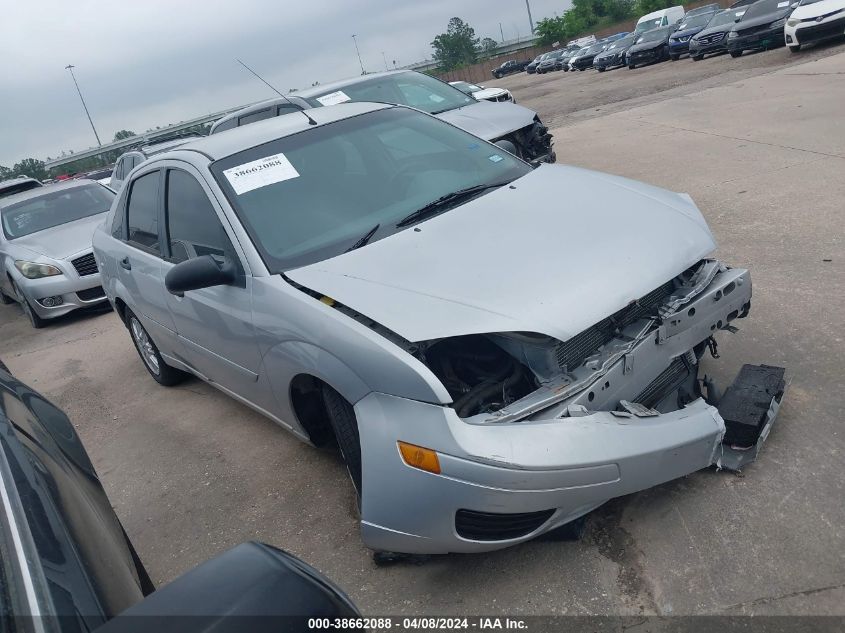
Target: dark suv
509,67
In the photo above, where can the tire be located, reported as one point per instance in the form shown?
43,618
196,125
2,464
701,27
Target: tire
735,54
34,320
794,49
674,58
345,427
161,372
697,58
601,70
582,69
631,66
4,300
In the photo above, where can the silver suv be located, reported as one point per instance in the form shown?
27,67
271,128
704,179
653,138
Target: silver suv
383,278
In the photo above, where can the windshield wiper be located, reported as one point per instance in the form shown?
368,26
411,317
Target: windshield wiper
366,237
436,206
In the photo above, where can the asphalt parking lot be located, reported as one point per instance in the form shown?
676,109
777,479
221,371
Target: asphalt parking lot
759,143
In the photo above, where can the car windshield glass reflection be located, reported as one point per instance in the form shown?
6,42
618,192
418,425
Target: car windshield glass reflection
763,7
694,22
382,166
722,18
55,208
411,89
652,36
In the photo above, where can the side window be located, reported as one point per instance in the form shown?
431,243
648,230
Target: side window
142,212
227,125
256,116
193,227
287,108
117,221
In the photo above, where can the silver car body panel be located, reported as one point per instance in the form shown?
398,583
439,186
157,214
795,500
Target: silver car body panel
572,256
454,285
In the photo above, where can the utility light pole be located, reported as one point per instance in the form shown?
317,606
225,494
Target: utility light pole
355,39
384,57
530,19
70,67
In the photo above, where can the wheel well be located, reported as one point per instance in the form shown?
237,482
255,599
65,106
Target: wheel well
306,398
120,308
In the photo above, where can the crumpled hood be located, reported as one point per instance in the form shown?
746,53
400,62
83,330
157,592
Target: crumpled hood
489,93
489,120
63,241
563,250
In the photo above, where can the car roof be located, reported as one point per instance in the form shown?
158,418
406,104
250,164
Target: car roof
237,139
46,190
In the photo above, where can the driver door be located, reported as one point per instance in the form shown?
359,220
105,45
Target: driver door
214,325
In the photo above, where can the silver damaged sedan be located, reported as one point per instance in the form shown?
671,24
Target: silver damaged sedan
496,349
46,259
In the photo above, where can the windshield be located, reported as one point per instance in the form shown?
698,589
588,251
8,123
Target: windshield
411,89
764,7
648,25
696,21
7,189
652,36
624,42
55,208
382,166
725,17
597,48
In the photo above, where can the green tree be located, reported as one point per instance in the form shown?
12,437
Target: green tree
31,167
487,47
552,30
458,46
122,134
5,173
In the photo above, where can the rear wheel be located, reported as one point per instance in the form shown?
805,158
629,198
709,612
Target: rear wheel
34,320
601,69
674,58
736,54
345,426
631,66
161,372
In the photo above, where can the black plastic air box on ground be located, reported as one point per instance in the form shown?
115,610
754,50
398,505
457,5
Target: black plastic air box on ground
746,401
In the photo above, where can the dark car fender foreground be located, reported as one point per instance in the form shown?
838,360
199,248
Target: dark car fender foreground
67,562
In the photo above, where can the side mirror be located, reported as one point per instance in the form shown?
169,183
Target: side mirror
200,272
737,20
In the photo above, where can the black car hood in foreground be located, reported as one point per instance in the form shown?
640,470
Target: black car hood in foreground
744,26
710,30
64,520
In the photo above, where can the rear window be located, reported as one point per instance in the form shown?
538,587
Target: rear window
55,208
7,189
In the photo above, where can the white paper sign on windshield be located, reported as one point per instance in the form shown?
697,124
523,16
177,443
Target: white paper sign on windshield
260,173
781,5
333,98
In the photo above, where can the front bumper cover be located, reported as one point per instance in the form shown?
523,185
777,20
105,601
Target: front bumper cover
564,459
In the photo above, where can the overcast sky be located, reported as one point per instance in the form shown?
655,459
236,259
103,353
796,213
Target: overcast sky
150,63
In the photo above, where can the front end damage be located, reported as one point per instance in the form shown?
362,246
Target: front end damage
542,431
532,143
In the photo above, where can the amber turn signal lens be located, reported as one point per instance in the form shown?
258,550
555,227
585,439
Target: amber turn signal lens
419,457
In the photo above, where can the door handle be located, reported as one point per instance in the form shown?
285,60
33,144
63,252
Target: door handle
125,263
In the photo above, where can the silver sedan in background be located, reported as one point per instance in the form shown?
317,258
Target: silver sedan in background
46,261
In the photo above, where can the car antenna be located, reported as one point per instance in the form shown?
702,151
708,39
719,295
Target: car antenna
273,88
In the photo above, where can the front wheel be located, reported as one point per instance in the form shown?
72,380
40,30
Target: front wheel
4,300
697,58
631,66
601,70
736,54
161,372
674,58
794,49
345,427
34,320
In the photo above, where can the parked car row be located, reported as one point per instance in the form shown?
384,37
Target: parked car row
370,273
669,34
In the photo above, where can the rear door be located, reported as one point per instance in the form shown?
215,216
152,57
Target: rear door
214,324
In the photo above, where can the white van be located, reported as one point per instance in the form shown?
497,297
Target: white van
664,17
